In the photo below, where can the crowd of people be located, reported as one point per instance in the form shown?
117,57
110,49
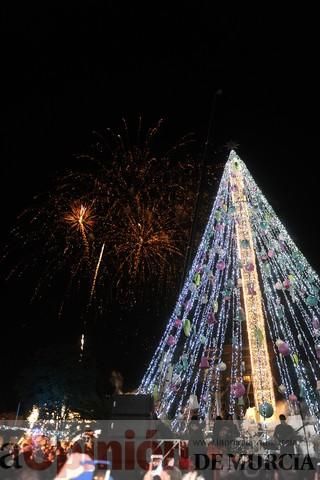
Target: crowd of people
223,439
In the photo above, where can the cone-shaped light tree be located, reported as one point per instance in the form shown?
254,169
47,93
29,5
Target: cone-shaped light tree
248,284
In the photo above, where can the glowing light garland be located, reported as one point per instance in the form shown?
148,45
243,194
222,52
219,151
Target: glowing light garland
247,268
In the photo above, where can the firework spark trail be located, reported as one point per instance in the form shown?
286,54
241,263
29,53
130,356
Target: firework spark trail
83,336
96,274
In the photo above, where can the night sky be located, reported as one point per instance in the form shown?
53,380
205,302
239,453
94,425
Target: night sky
68,70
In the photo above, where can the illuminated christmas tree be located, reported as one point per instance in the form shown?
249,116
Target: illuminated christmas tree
250,285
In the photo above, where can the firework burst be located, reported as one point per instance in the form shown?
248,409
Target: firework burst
122,217
81,218
146,242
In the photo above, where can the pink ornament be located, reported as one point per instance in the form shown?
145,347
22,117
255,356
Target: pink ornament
293,397
282,246
178,322
238,390
171,340
270,253
284,349
211,320
221,265
204,363
315,323
286,283
249,267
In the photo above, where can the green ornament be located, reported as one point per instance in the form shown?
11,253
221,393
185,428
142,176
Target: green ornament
218,215
197,279
245,243
185,362
230,284
280,311
187,327
259,336
264,225
311,301
155,393
266,410
295,359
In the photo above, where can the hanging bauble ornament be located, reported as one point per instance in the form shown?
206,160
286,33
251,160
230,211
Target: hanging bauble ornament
295,359
280,311
259,335
270,253
282,246
197,279
211,319
193,403
249,267
266,410
245,243
184,360
155,393
204,363
281,388
229,284
264,225
177,322
226,295
221,367
278,285
267,269
286,284
204,299
279,341
238,390
221,265
171,340
218,215
284,349
311,301
187,327
292,397
315,323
